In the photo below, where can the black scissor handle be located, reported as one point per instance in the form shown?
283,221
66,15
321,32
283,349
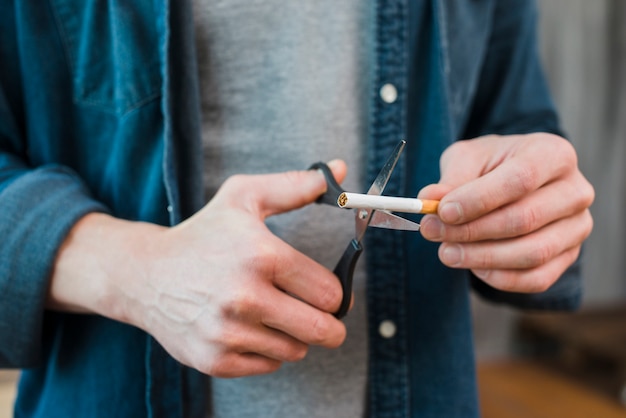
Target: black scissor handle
345,267
344,272
333,189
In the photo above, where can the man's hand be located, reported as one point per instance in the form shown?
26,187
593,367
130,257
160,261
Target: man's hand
514,209
220,292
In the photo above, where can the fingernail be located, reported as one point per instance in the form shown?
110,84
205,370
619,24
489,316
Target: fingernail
452,255
432,228
451,212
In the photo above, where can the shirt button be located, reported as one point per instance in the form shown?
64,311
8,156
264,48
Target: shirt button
387,329
170,208
388,93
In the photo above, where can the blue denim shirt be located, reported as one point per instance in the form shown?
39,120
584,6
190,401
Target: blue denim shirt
99,112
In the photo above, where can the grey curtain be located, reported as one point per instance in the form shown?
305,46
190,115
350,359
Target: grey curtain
584,53
583,45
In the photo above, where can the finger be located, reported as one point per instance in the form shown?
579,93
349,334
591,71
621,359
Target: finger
554,201
299,275
276,193
517,166
505,184
533,280
525,252
233,364
434,191
246,336
303,322
268,306
313,284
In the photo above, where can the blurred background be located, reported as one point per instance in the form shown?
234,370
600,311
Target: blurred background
583,45
563,365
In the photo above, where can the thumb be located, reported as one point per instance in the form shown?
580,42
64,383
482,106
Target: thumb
271,194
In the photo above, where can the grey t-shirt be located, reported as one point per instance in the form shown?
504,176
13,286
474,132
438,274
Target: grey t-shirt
285,84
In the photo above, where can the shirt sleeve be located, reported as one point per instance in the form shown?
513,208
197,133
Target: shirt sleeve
39,208
513,98
39,205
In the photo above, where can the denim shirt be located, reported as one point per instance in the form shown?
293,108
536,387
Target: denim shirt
99,112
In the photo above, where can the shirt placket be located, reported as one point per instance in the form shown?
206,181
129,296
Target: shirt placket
388,364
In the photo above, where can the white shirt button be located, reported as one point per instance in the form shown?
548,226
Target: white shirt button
388,93
170,208
387,329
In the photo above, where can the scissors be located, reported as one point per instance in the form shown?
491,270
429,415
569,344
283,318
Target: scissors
364,217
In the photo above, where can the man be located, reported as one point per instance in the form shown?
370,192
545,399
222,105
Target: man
123,291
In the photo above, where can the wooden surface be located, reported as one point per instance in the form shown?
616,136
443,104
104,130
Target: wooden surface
601,330
7,392
526,390
589,345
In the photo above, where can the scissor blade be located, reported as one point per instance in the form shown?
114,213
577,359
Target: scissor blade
387,220
363,217
383,177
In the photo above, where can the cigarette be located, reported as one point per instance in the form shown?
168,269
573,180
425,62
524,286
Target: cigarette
388,203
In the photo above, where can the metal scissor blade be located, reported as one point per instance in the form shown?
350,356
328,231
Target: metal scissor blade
383,177
387,220
363,216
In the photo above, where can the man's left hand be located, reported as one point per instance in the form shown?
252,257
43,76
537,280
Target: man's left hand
514,209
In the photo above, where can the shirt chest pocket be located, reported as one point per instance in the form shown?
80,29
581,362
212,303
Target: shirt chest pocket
112,47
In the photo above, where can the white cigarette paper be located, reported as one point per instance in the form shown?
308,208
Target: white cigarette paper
388,203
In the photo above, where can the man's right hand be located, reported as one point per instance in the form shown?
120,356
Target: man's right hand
220,292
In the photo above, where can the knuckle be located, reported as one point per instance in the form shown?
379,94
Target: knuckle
481,258
524,181
262,257
296,353
522,222
459,233
585,194
588,224
565,150
232,341
331,295
319,331
270,366
565,156
324,332
537,284
455,149
224,368
470,232
241,305
294,178
538,255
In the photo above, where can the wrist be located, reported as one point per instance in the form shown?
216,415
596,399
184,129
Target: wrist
100,267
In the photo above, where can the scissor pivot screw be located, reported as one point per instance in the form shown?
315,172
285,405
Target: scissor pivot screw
363,214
